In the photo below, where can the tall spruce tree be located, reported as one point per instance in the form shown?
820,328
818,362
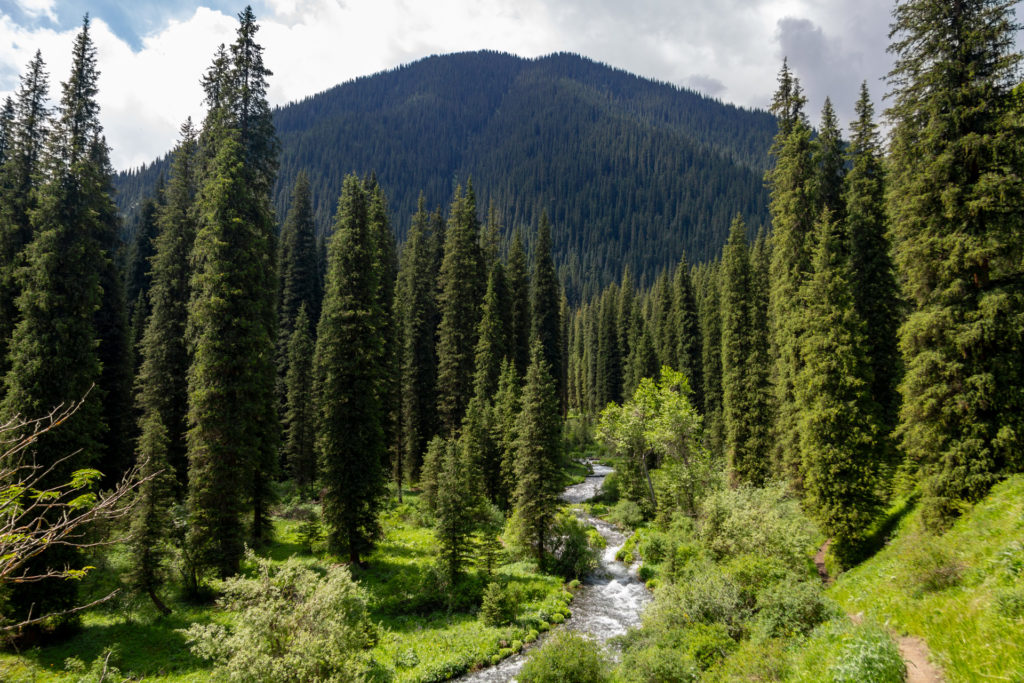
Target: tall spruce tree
19,173
507,406
954,200
298,275
54,350
839,429
791,181
416,307
746,425
161,397
687,325
609,362
457,499
300,417
350,438
461,285
545,298
829,164
492,335
161,386
873,277
711,333
234,430
538,449
519,293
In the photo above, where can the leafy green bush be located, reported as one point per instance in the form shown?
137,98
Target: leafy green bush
626,513
611,489
294,624
1010,602
790,608
565,657
572,556
101,670
869,655
657,664
761,521
930,566
753,574
706,596
653,547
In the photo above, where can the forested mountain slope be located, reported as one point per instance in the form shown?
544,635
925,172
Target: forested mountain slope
631,171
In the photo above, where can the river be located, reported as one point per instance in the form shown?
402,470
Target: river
609,601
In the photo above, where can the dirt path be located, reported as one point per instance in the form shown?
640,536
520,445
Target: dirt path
913,650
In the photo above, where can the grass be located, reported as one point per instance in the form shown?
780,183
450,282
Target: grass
422,638
958,591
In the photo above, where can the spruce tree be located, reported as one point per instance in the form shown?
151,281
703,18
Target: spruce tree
839,432
519,293
954,200
609,362
711,333
350,440
299,417
492,335
687,324
873,277
507,405
416,307
461,287
538,449
456,506
150,521
746,443
545,298
791,183
162,386
24,147
829,165
54,355
233,416
298,275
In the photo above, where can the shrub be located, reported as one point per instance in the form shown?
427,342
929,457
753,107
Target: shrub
929,566
753,574
626,513
499,606
611,489
657,664
706,597
565,657
793,607
869,655
1010,603
653,547
760,521
645,573
572,555
294,625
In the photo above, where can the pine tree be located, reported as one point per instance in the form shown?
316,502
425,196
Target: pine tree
161,385
839,432
54,351
829,165
138,269
298,275
687,325
234,427
416,306
350,439
300,418
711,333
792,208
545,296
519,293
745,429
150,528
492,335
538,448
609,362
507,405
954,200
461,284
873,277
24,147
456,502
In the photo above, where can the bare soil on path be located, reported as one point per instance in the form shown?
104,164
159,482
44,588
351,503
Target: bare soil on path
913,650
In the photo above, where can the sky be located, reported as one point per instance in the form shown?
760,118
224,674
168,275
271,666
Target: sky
152,53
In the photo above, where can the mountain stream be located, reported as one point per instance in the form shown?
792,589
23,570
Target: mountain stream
610,599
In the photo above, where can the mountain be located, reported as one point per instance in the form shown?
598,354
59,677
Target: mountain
631,171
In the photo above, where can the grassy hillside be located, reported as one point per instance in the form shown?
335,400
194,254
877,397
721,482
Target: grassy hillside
963,592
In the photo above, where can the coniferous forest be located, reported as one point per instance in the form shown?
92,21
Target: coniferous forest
606,381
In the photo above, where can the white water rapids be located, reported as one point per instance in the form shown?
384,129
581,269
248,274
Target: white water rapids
610,600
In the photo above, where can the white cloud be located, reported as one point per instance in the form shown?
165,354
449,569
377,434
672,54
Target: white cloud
731,49
39,8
